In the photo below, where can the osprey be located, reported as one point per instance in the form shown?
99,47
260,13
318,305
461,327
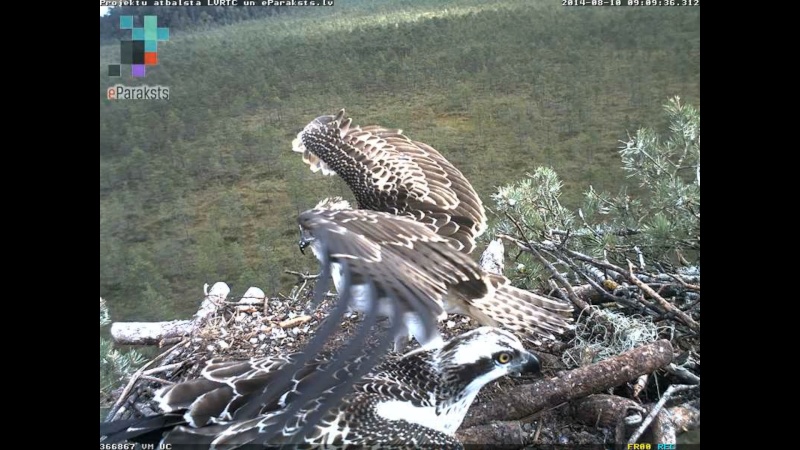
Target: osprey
418,399
389,172
418,277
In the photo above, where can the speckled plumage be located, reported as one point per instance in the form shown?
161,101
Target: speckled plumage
389,172
417,399
418,272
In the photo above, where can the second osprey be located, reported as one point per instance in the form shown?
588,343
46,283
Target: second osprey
389,172
395,176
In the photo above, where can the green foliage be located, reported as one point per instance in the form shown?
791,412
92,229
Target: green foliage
115,366
204,185
660,226
534,201
666,164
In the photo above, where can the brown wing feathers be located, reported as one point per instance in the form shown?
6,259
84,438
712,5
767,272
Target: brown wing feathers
389,172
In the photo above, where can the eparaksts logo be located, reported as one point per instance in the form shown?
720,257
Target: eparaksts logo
143,92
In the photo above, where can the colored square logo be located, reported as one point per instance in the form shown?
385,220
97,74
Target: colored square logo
142,48
137,70
125,22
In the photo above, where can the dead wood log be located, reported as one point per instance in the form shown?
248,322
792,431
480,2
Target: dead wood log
531,398
686,417
670,422
658,409
496,433
606,410
491,259
158,333
149,333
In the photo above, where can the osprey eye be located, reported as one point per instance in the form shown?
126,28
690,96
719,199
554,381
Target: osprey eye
503,358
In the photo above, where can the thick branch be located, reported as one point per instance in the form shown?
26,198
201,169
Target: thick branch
606,410
493,434
149,333
156,333
528,399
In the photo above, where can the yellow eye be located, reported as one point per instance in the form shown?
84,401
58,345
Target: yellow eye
503,358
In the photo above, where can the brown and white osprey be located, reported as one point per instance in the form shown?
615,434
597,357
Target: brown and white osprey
416,276
417,400
389,172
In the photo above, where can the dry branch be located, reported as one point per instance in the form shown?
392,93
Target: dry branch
606,410
528,399
116,408
657,409
301,276
162,333
149,333
299,320
582,305
669,307
683,374
626,275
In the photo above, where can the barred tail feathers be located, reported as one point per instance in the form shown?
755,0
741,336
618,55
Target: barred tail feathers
528,314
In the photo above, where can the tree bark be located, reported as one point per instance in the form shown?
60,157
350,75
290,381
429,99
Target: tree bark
149,333
493,434
606,410
531,398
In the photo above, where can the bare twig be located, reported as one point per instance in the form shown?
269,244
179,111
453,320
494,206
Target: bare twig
538,431
656,408
156,380
691,287
577,301
299,320
302,276
683,374
528,247
134,378
163,368
683,317
640,384
571,264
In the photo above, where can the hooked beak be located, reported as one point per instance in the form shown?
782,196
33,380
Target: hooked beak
303,243
528,365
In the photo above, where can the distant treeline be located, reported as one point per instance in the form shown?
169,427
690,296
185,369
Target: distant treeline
180,18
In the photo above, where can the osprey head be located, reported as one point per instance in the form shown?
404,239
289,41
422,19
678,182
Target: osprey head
306,239
462,366
485,354
328,203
